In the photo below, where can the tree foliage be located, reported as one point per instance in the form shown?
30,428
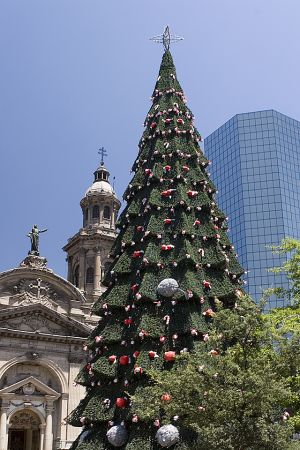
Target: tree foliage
231,390
290,248
285,323
171,228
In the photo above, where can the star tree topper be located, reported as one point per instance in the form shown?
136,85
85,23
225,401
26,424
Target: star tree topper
166,38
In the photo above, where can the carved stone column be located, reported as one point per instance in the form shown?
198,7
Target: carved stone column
48,442
3,426
97,269
81,269
70,274
64,413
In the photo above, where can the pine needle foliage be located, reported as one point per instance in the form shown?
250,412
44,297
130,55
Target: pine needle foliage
170,228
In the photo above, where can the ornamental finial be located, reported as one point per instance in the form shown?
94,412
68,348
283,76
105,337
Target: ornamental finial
166,38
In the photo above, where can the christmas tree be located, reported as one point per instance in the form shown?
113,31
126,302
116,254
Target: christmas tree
170,263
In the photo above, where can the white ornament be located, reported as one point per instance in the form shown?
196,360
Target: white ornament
117,435
167,436
167,287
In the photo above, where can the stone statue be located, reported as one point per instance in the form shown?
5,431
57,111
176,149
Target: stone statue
34,238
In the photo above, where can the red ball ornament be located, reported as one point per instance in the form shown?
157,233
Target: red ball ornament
168,192
143,334
136,354
138,371
124,360
167,247
121,402
206,284
134,287
112,358
167,168
192,194
139,228
152,354
166,397
197,223
185,168
153,125
169,356
128,321
137,253
167,221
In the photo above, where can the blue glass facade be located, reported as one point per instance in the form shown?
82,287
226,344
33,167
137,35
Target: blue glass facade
256,167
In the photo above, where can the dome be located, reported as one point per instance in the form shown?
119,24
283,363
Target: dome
101,187
101,184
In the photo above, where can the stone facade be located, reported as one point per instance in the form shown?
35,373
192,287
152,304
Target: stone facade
44,321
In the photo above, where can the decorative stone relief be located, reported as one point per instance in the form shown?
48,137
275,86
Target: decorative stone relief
25,419
36,262
28,389
35,288
35,322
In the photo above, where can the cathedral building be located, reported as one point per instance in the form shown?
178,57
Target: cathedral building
44,321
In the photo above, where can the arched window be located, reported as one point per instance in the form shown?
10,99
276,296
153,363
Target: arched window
76,276
106,212
86,214
95,213
89,275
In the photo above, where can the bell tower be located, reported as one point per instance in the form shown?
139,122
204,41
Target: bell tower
87,251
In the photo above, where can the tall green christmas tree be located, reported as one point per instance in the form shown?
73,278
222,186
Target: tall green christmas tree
170,262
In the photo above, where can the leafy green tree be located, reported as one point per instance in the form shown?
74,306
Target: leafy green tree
290,247
231,389
285,323
171,229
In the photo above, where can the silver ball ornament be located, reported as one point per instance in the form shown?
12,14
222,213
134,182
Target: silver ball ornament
167,287
117,435
167,436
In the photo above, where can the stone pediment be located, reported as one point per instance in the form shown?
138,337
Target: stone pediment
40,320
30,386
25,284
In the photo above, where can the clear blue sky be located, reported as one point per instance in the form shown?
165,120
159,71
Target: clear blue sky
77,74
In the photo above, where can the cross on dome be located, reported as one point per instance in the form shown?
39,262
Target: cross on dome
103,153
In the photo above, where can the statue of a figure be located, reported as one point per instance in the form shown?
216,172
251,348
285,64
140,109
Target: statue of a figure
34,238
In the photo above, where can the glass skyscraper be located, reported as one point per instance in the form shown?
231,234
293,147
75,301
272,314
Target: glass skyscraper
256,166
